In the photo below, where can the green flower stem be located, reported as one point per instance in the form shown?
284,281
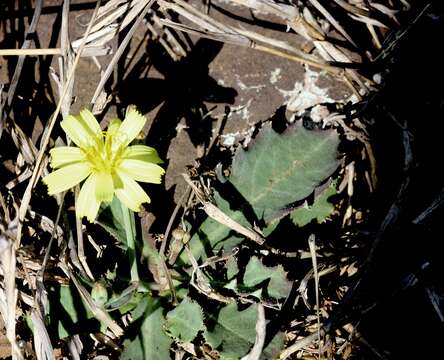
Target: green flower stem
128,222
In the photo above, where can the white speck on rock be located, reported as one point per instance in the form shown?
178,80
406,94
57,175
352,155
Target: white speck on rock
319,113
228,139
275,76
306,95
243,86
242,110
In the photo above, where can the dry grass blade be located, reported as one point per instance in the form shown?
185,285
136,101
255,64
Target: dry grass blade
300,344
65,63
235,39
29,52
284,11
8,293
436,203
368,21
352,8
331,53
312,246
218,31
385,10
6,104
23,143
131,8
171,39
80,245
42,342
106,29
278,44
332,21
99,313
215,213
256,351
39,162
119,52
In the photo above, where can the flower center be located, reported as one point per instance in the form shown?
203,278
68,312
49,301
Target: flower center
105,154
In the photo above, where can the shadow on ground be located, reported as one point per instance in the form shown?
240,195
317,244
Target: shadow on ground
400,290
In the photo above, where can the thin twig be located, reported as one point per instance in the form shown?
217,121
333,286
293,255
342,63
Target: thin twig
256,351
312,246
300,344
80,244
331,69
332,20
98,311
30,52
218,215
171,221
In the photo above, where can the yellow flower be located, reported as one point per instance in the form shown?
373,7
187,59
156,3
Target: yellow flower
106,161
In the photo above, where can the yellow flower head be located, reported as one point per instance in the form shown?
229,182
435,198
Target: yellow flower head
106,161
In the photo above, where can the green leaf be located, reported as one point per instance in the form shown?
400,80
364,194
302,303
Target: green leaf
234,332
256,272
276,170
319,211
280,169
185,321
273,349
213,236
67,303
152,343
232,267
111,218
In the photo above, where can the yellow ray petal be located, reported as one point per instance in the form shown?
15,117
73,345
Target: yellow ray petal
80,131
130,193
131,126
66,177
114,126
104,186
142,170
90,121
143,153
87,203
112,142
65,155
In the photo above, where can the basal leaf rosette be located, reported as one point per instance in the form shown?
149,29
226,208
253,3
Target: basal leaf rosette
106,161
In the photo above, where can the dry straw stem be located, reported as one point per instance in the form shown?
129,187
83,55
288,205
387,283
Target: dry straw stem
171,221
218,31
107,27
352,8
80,247
312,246
289,13
30,52
261,324
300,344
42,342
215,213
119,52
38,164
8,295
99,313
6,104
201,283
332,21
